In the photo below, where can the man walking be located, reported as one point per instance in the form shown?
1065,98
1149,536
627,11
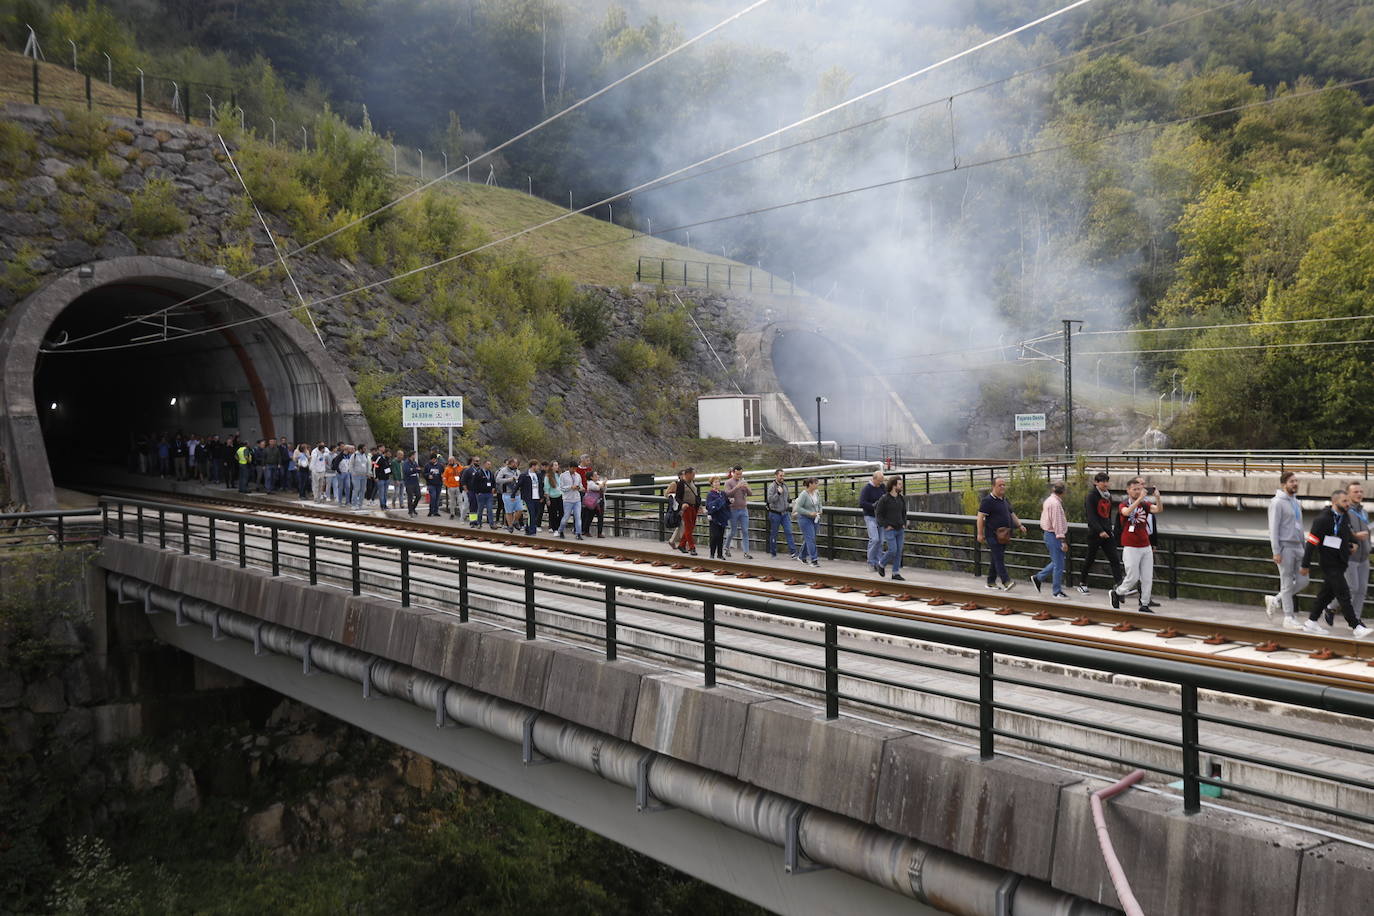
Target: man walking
1287,538
780,514
1137,554
890,513
1098,511
994,523
1357,573
1332,541
434,482
738,493
868,499
410,475
453,487
1055,525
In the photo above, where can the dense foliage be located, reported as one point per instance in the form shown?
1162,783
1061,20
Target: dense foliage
1254,211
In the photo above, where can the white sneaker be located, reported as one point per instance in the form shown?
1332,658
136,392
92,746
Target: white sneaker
1291,622
1311,626
1082,590
1271,604
1008,586
1361,631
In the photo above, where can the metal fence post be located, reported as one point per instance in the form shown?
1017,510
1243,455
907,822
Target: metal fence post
708,640
977,556
463,590
830,535
832,671
186,534
529,604
1192,788
405,577
162,529
985,704
1173,568
90,104
611,635
357,571
210,532
138,99
243,545
119,520
312,559
61,539
276,554
35,82
186,102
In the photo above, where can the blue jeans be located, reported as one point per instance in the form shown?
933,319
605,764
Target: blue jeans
572,509
484,508
435,492
808,527
739,521
359,484
893,540
875,541
382,487
344,484
781,520
1056,564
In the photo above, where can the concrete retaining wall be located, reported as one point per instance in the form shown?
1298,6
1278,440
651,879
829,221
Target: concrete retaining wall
1023,817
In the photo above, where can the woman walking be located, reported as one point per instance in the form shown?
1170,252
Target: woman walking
553,496
808,508
718,511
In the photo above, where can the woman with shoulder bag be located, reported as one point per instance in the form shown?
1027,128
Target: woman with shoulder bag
594,505
807,507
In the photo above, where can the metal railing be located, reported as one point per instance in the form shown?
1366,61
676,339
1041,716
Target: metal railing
710,274
58,528
162,96
1178,717
1221,567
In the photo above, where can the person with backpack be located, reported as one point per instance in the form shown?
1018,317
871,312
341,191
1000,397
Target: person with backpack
718,511
686,497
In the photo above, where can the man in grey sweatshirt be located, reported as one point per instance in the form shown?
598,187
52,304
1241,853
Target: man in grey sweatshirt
1286,540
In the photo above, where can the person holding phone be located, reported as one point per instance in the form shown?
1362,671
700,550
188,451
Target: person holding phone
1137,552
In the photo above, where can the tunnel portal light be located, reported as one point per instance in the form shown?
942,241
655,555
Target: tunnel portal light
174,402
52,406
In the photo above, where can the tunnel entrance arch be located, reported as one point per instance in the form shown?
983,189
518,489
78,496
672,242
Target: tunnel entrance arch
266,376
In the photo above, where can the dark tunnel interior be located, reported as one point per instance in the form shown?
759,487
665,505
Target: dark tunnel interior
95,405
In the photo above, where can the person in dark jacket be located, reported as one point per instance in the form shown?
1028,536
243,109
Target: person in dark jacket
1332,541
873,491
1097,510
890,514
531,487
718,511
410,473
434,482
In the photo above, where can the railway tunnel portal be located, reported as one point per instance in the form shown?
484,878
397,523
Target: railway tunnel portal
112,350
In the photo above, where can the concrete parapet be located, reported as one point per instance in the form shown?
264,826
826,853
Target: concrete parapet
795,751
141,561
999,811
1337,880
448,648
1214,862
679,716
511,667
594,692
380,626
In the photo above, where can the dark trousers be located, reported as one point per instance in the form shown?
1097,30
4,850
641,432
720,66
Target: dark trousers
534,514
412,496
599,513
1334,588
717,540
245,475
1108,549
555,512
434,491
997,560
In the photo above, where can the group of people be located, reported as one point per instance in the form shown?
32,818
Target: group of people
1339,543
726,503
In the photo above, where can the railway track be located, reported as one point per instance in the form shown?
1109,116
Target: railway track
1328,660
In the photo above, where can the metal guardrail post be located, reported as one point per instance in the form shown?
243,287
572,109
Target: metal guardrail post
357,566
162,529
61,539
985,704
138,99
1192,786
708,641
832,671
214,547
1173,568
611,635
186,534
186,107
275,537
243,545
119,521
829,535
405,577
529,604
138,523
463,590
977,555
104,519
312,559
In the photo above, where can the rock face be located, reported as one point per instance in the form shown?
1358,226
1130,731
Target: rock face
69,211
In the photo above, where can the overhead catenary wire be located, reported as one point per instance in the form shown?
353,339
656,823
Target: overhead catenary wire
700,36
1024,154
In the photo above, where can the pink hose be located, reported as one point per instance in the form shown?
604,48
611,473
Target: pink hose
1119,882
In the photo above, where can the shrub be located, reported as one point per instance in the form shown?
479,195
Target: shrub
632,358
155,211
78,215
667,327
586,314
503,359
526,433
17,148
83,133
383,411
19,276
